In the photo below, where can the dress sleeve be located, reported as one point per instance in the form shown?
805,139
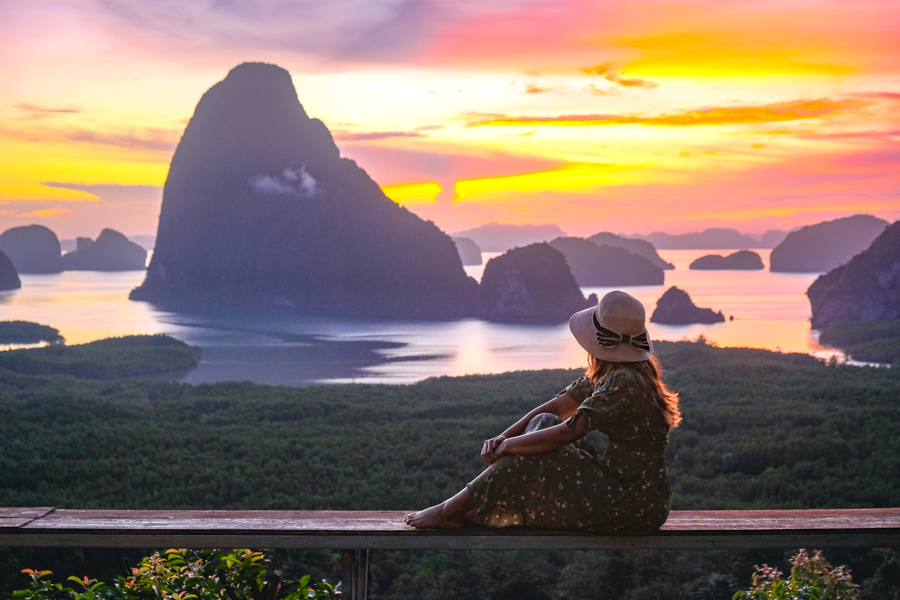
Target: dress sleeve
579,390
609,402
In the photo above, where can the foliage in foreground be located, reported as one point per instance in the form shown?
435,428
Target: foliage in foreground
761,430
812,578
112,358
867,341
26,332
180,574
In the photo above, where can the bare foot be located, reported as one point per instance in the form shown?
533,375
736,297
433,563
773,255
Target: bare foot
436,516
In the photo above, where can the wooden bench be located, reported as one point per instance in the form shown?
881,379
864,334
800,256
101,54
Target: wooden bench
355,533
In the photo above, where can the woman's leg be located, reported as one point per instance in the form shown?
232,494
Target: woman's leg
542,421
452,512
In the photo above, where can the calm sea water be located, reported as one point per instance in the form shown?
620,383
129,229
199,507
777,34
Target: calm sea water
770,311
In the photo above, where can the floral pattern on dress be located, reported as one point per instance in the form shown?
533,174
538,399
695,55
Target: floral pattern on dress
623,490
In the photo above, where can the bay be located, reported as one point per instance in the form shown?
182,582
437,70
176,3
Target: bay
770,311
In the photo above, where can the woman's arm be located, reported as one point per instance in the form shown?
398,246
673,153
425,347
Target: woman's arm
562,406
540,441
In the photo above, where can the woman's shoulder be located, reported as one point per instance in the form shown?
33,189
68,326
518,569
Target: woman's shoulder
616,380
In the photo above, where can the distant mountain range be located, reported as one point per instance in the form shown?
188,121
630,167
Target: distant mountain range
822,247
712,239
497,237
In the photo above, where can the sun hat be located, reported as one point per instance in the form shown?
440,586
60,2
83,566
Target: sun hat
614,330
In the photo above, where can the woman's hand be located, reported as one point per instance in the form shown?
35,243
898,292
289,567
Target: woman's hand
489,452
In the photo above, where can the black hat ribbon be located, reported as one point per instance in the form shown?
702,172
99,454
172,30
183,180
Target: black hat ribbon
609,338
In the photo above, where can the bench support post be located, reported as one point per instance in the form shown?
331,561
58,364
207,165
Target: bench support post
355,574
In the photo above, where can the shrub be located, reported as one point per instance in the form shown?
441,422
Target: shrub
812,578
184,575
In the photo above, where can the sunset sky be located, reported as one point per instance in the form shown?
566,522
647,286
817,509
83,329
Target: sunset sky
629,117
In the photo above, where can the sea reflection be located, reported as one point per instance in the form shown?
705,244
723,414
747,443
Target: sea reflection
770,310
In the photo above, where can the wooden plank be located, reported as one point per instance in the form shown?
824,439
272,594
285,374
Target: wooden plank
345,530
14,523
16,512
682,523
15,517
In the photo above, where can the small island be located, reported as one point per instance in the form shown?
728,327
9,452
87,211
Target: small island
112,251
32,249
743,260
675,307
26,332
530,285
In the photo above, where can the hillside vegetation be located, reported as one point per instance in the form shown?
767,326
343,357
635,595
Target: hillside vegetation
761,430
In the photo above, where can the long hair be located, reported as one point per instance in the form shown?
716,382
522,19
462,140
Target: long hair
650,373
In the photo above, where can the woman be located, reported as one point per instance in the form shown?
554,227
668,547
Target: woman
541,473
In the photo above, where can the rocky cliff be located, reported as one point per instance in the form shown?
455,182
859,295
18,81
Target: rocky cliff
260,210
675,307
606,266
531,284
9,278
32,249
633,245
822,247
112,251
867,287
742,260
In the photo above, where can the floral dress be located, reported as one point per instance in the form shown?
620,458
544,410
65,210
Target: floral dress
624,490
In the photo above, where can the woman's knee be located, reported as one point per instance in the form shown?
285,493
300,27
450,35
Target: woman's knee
542,421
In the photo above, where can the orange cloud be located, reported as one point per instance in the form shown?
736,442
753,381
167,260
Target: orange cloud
605,70
633,82
344,136
571,177
722,115
47,212
688,55
413,193
536,89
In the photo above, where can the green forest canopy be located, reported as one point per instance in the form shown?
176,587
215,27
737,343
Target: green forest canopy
761,430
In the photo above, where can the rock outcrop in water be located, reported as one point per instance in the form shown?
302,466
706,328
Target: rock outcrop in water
821,247
633,245
675,307
259,210
742,260
112,251
500,237
530,285
32,249
9,278
469,252
606,266
867,287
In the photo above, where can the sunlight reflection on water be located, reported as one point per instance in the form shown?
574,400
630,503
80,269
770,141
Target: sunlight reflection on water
770,311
